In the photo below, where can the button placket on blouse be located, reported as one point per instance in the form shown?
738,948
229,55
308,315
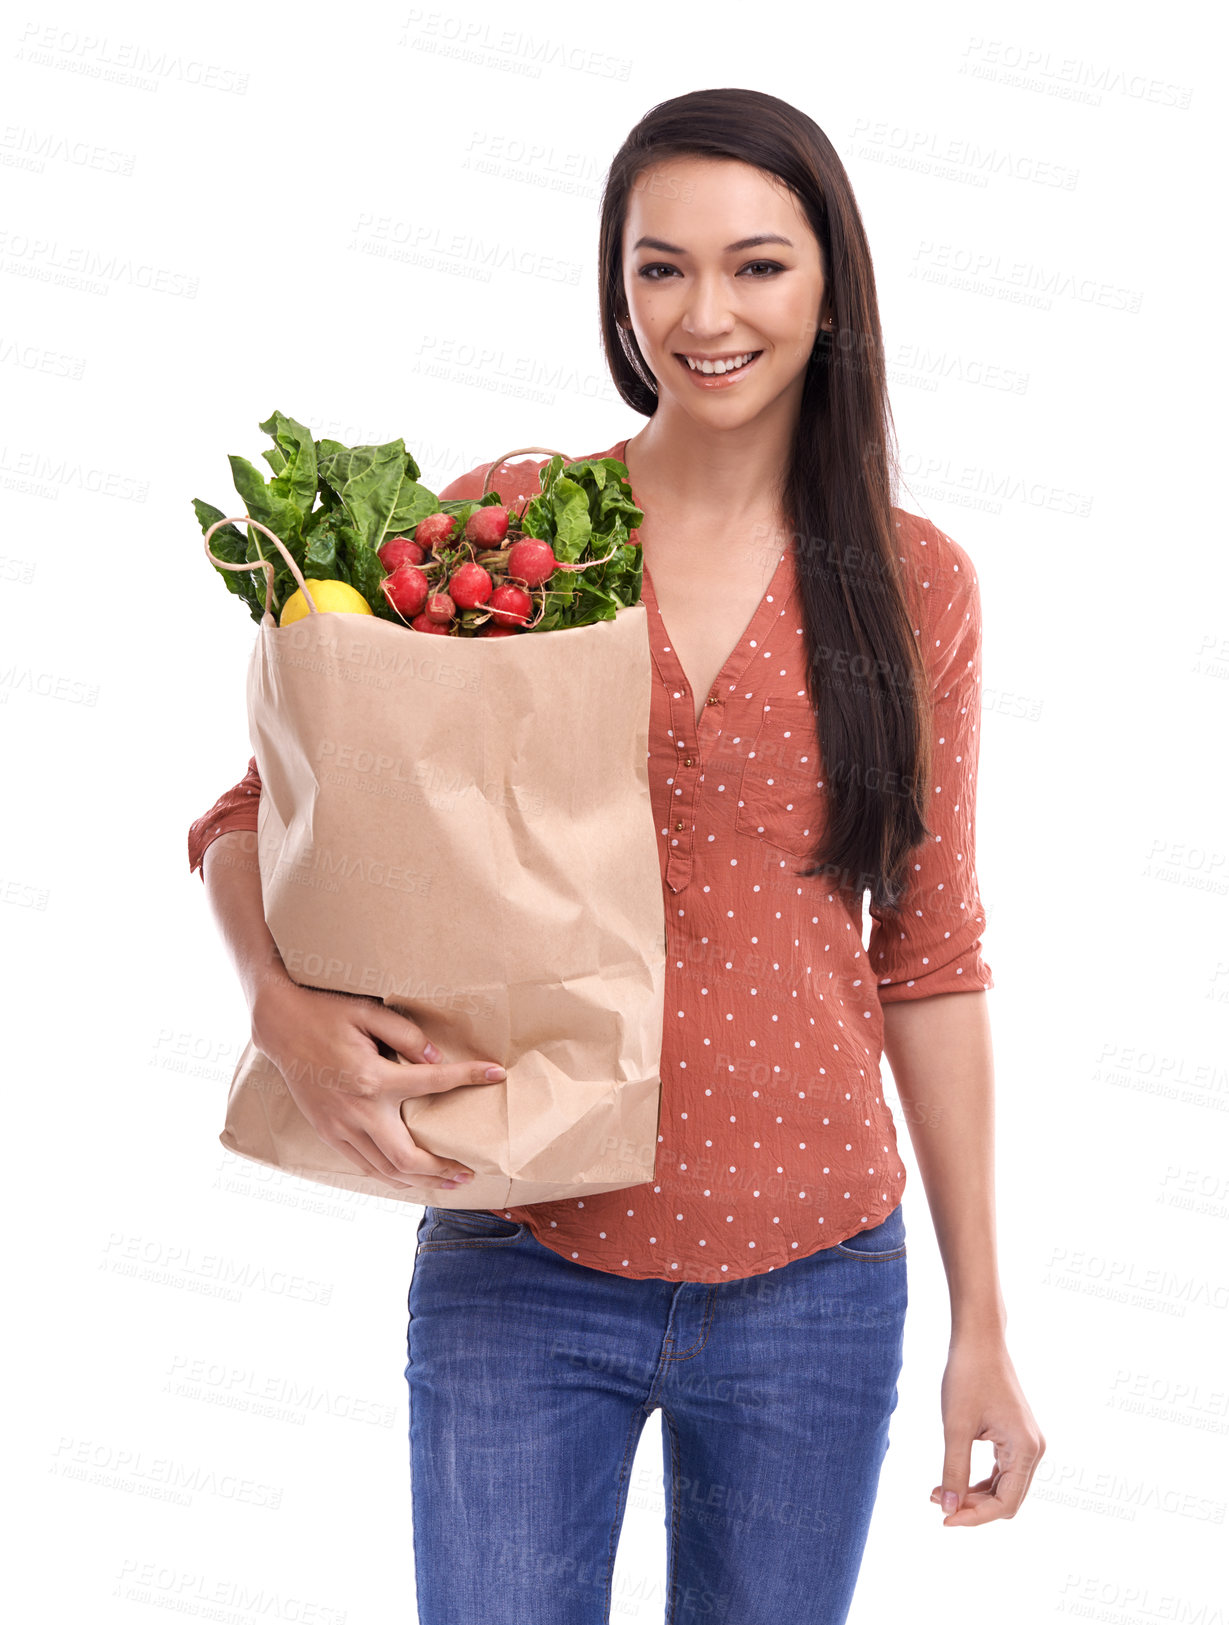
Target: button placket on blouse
685,780
693,741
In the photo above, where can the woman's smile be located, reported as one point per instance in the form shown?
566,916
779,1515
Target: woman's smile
721,373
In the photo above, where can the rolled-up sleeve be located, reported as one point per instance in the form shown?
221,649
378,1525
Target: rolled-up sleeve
236,808
933,944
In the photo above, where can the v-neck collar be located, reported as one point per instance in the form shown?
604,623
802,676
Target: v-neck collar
769,609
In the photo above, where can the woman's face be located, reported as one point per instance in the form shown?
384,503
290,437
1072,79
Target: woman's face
696,287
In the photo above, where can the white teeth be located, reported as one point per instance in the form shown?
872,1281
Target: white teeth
719,366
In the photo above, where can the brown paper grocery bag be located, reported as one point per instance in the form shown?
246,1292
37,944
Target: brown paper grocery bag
462,828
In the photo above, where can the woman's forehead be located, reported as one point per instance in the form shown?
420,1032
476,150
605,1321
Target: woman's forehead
702,205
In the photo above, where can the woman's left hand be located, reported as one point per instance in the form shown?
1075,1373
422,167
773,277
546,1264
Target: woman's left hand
982,1399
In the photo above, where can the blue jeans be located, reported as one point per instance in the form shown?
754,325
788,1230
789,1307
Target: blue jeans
531,1378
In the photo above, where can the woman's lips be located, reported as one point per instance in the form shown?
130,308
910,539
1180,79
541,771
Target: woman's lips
718,380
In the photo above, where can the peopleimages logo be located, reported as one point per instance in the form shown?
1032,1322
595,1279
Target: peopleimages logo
22,147
317,865
973,270
956,156
125,62
37,358
46,259
387,237
61,473
446,33
1070,78
191,1591
47,684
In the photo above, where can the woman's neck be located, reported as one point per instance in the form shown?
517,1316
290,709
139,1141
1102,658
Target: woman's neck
706,490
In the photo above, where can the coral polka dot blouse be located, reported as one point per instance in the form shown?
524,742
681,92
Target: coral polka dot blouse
774,1139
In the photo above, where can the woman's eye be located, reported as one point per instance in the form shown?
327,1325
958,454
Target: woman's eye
762,267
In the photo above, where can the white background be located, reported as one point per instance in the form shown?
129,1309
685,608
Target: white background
194,204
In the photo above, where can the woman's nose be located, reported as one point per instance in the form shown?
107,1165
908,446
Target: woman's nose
708,313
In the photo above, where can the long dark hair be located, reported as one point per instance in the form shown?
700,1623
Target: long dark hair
866,678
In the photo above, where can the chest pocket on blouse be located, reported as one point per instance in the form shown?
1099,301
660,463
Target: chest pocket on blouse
778,799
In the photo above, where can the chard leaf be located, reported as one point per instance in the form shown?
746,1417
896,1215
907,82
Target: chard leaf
229,544
573,530
366,571
321,556
549,472
538,519
462,507
315,519
294,476
264,502
329,543
368,480
414,502
255,550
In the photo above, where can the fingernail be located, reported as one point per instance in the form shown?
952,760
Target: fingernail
430,1051
449,1184
950,1499
496,1073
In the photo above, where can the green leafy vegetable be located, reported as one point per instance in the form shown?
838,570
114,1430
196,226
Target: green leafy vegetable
334,506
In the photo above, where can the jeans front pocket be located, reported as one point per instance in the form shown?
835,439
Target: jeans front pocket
880,1242
467,1227
779,799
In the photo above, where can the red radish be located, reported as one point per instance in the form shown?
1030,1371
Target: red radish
511,606
406,589
531,561
491,631
424,623
434,529
470,586
439,607
399,550
487,526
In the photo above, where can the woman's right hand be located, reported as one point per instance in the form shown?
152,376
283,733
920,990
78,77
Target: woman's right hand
325,1046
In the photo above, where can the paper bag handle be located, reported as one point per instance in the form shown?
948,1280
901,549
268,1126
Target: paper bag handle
519,452
260,564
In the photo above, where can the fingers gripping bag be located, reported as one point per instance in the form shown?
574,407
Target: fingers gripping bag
460,826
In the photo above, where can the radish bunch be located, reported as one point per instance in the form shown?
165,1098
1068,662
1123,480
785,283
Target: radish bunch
361,516
487,581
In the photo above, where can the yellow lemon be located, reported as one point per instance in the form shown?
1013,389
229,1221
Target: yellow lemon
326,595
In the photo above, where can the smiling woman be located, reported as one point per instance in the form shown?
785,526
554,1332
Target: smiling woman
753,333
813,737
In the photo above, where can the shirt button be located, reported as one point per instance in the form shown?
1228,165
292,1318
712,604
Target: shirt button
687,761
711,700
678,825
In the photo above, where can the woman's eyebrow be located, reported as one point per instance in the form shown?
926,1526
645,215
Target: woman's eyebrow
730,248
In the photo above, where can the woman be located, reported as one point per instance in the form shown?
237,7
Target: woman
756,1290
